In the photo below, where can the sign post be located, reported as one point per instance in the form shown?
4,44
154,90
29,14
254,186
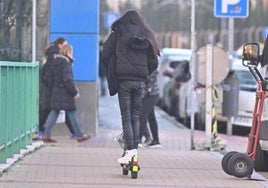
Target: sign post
231,9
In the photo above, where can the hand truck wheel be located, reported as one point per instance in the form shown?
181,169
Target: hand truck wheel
240,165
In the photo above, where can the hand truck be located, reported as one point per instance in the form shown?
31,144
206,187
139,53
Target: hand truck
241,164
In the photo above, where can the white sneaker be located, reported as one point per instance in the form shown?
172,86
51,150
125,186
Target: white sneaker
128,156
140,145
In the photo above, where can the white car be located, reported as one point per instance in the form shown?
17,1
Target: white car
247,92
246,98
169,59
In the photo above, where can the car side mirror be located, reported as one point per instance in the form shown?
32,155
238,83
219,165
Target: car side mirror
250,56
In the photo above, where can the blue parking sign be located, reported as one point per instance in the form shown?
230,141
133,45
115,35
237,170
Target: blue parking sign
231,8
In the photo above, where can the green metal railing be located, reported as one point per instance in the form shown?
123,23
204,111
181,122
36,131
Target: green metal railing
19,106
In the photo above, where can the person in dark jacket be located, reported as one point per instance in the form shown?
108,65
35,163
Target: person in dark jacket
64,93
102,75
264,56
136,52
147,113
46,85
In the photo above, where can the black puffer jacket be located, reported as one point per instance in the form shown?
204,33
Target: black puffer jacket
46,77
64,88
135,59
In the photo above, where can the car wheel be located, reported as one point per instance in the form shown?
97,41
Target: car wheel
160,103
200,124
185,121
173,108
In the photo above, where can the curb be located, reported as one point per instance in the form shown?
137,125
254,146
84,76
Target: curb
16,157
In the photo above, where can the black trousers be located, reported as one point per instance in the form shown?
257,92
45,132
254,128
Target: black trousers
130,99
147,114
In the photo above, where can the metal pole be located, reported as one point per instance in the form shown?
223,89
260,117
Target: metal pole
231,37
193,70
230,50
34,31
209,70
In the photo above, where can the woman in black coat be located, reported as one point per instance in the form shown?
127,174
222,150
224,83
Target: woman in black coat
136,50
46,85
64,93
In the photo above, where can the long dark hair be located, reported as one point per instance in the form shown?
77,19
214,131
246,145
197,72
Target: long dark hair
132,23
59,40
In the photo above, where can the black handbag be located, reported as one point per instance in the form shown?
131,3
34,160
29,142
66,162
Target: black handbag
111,76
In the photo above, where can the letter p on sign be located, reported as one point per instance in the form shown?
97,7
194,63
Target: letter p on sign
226,3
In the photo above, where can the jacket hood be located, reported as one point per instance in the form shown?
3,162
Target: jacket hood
131,36
59,58
138,43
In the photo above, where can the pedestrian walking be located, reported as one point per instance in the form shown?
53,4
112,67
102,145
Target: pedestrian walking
64,93
147,113
46,85
147,136
102,76
136,52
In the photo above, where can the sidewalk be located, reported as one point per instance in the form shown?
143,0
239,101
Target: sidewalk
69,164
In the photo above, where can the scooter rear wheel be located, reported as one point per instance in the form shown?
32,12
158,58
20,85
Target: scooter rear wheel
134,175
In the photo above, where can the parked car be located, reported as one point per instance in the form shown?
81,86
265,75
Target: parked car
186,108
179,77
247,92
246,98
169,59
176,97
